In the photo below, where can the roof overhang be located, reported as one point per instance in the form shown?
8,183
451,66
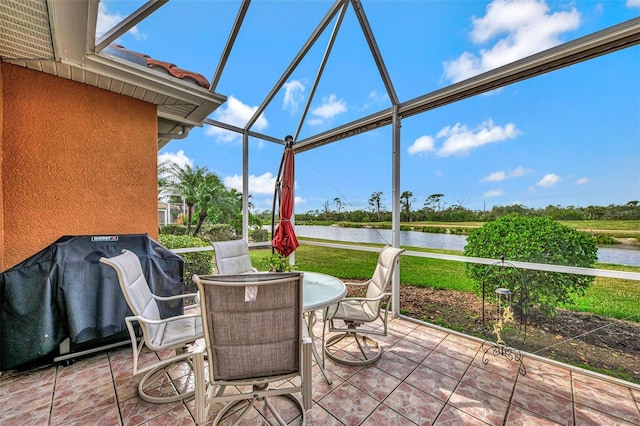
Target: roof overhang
58,37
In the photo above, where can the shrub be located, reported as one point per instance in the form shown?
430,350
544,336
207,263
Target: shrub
173,229
218,232
259,235
199,263
275,263
537,240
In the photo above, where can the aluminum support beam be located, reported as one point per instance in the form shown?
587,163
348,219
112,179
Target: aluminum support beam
239,130
129,22
323,63
229,45
245,187
375,51
395,208
292,66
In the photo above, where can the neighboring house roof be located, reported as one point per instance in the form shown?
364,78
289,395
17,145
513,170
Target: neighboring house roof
58,38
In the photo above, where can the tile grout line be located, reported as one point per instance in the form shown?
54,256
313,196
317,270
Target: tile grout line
53,394
458,381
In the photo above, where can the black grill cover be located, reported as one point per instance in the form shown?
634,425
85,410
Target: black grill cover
64,291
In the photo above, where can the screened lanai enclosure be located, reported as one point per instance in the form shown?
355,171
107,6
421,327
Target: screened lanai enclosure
350,78
290,81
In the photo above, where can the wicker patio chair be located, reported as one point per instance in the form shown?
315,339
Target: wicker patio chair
252,339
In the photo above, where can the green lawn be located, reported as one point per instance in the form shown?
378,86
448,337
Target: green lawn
608,297
611,297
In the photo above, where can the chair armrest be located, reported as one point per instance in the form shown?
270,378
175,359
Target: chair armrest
365,299
331,310
175,297
144,320
364,284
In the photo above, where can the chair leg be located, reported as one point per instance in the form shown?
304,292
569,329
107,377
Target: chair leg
363,342
150,386
307,377
251,403
201,389
275,413
232,404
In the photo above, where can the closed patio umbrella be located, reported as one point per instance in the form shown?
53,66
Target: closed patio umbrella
284,237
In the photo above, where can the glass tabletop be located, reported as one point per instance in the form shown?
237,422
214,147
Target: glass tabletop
321,290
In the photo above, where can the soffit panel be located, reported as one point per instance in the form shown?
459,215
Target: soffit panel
25,32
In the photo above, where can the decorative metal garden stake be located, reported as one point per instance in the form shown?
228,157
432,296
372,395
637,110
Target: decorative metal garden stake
505,318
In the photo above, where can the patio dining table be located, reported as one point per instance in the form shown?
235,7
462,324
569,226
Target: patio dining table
320,291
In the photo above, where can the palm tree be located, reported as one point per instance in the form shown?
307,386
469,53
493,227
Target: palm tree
212,199
185,180
375,202
164,184
406,198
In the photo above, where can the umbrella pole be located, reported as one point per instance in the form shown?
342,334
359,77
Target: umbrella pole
276,192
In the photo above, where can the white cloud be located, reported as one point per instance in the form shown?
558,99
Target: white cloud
518,172
107,20
266,203
494,193
293,95
381,97
460,140
582,180
331,106
236,113
522,28
548,180
502,175
633,3
495,177
179,158
263,184
375,99
422,144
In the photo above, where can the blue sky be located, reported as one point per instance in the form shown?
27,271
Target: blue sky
570,137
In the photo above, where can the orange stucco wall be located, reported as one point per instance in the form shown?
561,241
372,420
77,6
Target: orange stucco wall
76,160
1,161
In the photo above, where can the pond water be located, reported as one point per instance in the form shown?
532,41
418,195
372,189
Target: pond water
620,255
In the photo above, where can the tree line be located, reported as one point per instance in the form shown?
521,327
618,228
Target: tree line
436,208
200,198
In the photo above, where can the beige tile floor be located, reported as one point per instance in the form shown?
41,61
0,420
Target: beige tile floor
425,376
